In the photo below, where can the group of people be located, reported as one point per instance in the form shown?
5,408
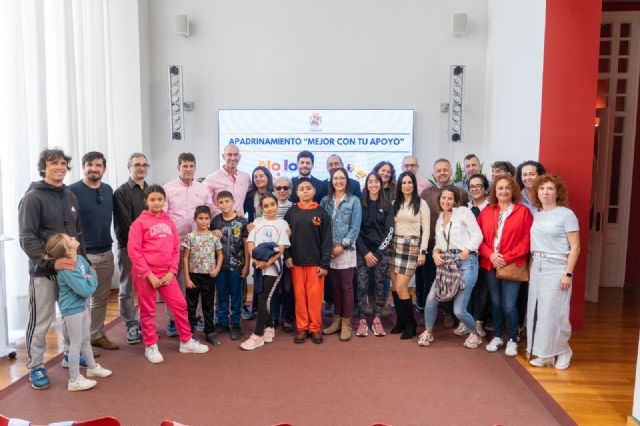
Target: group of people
195,243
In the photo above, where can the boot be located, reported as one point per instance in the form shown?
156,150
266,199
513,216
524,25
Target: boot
345,329
334,327
400,319
410,329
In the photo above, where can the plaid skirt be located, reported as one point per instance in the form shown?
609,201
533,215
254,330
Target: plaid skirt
404,254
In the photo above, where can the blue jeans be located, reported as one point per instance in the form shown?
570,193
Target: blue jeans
504,297
469,270
228,285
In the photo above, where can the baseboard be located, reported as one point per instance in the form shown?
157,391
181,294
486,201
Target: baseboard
632,421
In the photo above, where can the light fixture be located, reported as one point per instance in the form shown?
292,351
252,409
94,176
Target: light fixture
176,105
456,96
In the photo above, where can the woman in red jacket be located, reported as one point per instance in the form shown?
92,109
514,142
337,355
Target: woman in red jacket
505,226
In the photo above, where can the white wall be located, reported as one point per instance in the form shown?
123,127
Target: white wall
292,54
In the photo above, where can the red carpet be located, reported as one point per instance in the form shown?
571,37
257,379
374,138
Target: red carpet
361,382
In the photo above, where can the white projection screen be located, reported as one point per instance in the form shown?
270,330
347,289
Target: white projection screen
273,138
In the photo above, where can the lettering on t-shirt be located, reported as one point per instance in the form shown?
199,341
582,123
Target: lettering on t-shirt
160,229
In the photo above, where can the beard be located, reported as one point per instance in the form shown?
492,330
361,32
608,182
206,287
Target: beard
94,178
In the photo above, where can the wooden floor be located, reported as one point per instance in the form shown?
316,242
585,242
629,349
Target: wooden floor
596,390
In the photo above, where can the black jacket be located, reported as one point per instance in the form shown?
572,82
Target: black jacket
128,203
311,237
45,210
317,184
376,230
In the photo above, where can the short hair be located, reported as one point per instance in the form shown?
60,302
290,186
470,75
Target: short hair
539,169
56,247
186,156
470,156
346,175
505,166
306,154
268,195
224,194
561,190
305,179
485,181
201,210
409,156
456,196
93,155
337,156
229,146
52,154
442,160
134,155
283,178
516,196
153,188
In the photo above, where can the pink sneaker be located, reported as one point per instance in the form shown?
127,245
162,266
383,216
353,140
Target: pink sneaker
363,328
377,328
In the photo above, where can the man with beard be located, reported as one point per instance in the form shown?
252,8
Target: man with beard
95,199
305,165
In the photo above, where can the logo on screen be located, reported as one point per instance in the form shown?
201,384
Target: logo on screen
316,122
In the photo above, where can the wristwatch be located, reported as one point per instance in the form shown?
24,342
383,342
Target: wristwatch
568,274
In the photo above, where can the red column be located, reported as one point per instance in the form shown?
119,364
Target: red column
570,74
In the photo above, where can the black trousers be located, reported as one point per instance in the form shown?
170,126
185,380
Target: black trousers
264,305
205,290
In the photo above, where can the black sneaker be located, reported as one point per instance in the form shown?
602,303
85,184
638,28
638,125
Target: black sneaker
220,329
213,339
236,332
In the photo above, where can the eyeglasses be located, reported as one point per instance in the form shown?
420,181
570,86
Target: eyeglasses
479,186
145,165
99,196
409,166
282,188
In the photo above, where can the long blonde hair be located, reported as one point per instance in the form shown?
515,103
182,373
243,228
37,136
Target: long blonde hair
57,247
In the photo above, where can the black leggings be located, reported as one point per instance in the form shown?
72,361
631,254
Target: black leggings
264,304
206,291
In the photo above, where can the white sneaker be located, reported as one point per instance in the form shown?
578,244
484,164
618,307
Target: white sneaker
564,359
98,371
473,341
153,354
480,329
269,334
541,362
252,342
80,384
462,330
511,349
494,344
192,346
425,339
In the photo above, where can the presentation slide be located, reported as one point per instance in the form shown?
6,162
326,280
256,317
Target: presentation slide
273,138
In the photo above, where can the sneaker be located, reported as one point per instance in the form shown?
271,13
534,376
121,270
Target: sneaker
192,346
269,334
104,343
541,361
494,344
425,338
80,384
153,355
253,342
236,332
213,339
419,308
473,341
38,378
462,330
98,371
449,321
480,329
511,349
377,328
220,329
287,327
200,323
133,334
363,328
172,331
563,360
65,361
245,313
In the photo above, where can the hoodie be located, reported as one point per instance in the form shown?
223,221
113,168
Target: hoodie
45,210
76,285
154,244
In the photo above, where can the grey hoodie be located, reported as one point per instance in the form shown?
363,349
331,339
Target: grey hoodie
45,210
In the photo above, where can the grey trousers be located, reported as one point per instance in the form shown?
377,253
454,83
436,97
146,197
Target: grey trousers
43,293
103,264
78,328
125,291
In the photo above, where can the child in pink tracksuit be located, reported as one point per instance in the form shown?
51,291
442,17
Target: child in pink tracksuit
154,250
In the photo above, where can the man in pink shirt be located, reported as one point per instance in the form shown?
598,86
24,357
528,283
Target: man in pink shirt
410,164
229,178
184,194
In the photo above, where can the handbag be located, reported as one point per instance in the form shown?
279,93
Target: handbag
514,272
449,280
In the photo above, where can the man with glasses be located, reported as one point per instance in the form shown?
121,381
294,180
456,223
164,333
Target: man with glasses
128,203
410,164
472,166
96,211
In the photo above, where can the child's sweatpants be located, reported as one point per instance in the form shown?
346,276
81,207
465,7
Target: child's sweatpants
174,300
308,289
78,327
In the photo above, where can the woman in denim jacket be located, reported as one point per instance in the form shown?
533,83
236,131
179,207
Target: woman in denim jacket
346,215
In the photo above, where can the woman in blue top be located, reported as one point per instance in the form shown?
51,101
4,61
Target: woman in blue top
346,215
75,287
